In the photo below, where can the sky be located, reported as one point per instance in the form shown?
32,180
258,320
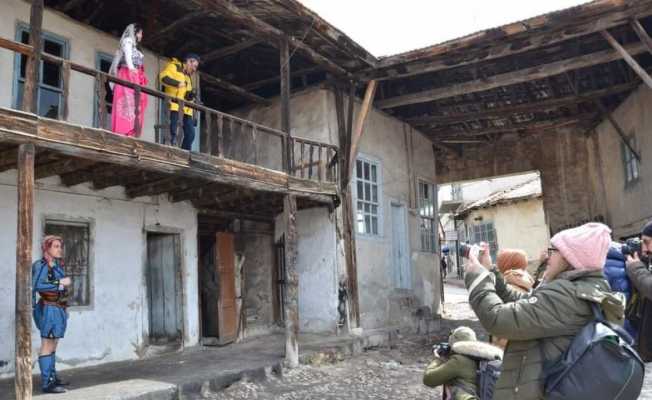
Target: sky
386,27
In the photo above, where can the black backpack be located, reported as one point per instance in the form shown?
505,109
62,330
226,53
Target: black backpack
488,374
599,364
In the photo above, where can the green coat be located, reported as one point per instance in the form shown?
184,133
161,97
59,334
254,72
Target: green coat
539,325
458,373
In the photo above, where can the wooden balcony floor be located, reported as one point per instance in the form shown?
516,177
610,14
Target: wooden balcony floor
81,154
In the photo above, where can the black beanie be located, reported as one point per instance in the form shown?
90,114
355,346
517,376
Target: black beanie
647,229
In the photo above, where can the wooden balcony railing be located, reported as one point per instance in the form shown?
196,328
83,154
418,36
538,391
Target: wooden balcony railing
222,135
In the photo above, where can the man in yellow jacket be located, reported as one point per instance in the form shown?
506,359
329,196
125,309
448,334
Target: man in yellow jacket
176,82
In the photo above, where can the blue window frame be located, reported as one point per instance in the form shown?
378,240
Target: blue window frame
50,90
103,63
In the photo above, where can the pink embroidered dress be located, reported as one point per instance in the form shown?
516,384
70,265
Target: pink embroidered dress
128,65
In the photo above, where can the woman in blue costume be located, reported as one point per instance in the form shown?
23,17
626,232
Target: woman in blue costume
50,316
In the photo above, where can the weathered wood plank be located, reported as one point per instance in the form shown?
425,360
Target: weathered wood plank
360,122
184,20
642,35
509,40
211,80
509,78
625,54
291,300
25,189
286,89
62,167
229,50
32,71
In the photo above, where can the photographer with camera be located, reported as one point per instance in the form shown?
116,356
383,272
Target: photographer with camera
639,312
541,325
456,365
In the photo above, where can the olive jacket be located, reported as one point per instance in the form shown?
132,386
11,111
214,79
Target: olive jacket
458,373
539,325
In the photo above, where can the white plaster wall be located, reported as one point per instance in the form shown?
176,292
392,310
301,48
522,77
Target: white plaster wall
113,328
84,42
317,267
628,208
520,225
314,116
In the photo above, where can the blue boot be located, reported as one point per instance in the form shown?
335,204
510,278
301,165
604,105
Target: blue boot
57,381
48,385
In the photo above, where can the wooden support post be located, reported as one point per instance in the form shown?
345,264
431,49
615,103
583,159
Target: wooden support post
291,300
30,90
101,95
25,188
179,127
66,90
285,101
359,123
208,128
628,58
220,135
642,34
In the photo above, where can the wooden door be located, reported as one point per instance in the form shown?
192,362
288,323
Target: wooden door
164,289
226,305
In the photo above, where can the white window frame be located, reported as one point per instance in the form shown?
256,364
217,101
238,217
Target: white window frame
429,214
372,161
631,166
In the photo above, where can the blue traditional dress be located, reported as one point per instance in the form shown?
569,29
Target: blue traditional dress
49,312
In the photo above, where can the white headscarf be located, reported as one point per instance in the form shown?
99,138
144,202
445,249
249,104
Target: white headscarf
127,41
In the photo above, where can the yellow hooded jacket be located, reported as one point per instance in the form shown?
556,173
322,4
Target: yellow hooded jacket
170,78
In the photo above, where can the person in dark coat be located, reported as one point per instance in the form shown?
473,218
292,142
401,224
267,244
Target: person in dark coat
638,271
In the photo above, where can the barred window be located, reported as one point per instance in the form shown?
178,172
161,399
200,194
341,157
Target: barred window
76,246
368,197
427,220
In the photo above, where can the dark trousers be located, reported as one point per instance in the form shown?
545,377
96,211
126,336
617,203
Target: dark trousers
188,129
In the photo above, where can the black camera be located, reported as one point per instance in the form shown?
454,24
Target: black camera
190,96
442,350
631,246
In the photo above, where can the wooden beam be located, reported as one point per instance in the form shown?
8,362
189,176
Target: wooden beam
222,84
235,215
286,90
509,78
642,35
32,72
628,58
509,40
277,79
360,122
153,37
534,126
228,50
160,186
24,236
266,31
508,110
61,167
8,159
291,300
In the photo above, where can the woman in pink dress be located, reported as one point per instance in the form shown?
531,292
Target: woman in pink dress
128,64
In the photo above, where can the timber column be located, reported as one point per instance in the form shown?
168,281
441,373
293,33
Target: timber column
291,300
25,188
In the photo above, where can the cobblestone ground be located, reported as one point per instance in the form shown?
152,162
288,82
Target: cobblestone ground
385,373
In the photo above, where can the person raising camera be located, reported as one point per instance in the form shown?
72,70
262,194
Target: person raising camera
639,310
456,364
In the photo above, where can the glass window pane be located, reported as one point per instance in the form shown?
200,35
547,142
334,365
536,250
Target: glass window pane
367,208
360,221
367,191
358,168
366,171
51,74
360,191
24,37
374,225
48,103
360,205
367,224
23,66
374,210
374,194
53,48
374,176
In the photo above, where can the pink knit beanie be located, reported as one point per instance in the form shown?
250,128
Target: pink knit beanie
584,247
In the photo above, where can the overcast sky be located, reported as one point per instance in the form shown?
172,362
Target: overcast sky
386,27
